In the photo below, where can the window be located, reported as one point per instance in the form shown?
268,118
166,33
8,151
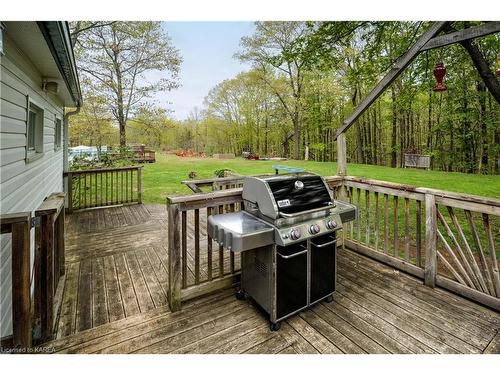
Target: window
57,134
32,120
34,130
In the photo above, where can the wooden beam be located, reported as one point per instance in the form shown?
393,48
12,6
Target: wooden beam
461,35
395,71
216,285
341,156
21,300
174,257
397,263
430,270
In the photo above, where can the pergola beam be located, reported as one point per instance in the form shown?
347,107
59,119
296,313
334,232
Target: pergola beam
461,35
395,71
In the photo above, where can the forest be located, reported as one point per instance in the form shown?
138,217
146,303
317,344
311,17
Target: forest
306,78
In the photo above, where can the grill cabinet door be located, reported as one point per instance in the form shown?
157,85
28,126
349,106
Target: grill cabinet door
291,278
323,266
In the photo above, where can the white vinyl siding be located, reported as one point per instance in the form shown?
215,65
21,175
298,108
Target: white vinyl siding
23,186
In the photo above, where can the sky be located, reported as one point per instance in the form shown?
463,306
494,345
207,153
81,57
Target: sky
207,49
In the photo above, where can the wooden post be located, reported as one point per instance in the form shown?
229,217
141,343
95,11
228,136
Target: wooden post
70,191
430,270
47,276
60,244
341,155
21,301
139,185
174,257
341,164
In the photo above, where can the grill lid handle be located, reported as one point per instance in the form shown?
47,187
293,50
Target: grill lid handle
287,216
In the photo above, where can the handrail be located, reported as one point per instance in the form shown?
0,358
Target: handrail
80,171
93,188
214,182
423,190
213,179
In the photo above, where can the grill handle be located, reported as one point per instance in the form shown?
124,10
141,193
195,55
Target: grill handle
326,243
287,216
292,255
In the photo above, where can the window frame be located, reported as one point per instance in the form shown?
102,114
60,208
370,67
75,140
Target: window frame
37,151
57,134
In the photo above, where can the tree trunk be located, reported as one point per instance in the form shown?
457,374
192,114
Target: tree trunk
359,139
429,122
483,154
482,67
394,129
296,135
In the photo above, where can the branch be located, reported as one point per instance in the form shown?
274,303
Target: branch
482,67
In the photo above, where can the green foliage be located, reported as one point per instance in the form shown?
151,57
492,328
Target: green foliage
307,77
221,172
119,157
164,177
114,59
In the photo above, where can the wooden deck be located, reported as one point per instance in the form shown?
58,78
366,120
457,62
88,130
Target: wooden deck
114,301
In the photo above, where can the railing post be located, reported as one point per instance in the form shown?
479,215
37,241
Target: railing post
139,185
70,191
341,164
21,300
430,270
174,257
60,243
46,287
341,155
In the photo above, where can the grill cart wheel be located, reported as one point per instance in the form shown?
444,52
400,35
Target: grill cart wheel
241,295
328,299
275,326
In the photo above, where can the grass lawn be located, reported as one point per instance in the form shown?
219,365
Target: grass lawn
163,178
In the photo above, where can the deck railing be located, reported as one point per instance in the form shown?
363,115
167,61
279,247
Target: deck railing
196,265
33,313
18,224
431,234
104,187
400,225
222,183
49,266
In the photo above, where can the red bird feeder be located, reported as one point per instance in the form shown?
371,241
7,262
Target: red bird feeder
439,73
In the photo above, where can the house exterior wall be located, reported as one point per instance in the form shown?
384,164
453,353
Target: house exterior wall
23,186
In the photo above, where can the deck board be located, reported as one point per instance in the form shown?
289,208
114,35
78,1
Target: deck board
115,301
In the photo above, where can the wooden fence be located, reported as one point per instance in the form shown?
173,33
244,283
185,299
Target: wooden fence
104,187
33,314
395,224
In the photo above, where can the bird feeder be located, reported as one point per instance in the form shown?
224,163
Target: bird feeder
439,73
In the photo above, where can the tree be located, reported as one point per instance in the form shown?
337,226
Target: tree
92,126
116,59
152,123
280,45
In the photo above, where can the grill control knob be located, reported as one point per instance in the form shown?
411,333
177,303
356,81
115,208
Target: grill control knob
314,229
331,224
295,234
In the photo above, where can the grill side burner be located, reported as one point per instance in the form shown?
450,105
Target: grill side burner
287,237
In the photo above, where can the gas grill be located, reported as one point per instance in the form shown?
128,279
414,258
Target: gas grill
287,236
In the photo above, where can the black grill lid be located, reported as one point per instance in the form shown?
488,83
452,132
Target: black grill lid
299,193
